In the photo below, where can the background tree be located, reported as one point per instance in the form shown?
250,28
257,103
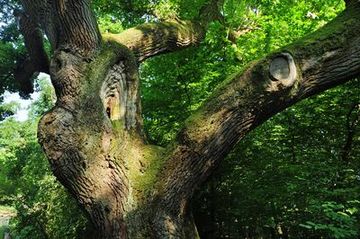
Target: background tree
95,142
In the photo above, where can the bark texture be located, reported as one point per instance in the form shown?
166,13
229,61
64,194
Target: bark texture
37,60
69,24
155,38
93,136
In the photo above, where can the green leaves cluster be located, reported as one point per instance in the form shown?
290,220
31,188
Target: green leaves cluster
339,220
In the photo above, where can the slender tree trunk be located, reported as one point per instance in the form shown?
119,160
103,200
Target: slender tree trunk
351,124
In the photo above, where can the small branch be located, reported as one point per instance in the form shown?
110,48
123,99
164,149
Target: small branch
211,12
350,2
234,35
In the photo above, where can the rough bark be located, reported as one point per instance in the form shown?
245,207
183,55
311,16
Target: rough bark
152,39
67,24
93,136
37,60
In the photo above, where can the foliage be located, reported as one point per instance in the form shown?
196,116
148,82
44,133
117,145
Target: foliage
11,46
7,110
9,53
289,176
46,99
44,208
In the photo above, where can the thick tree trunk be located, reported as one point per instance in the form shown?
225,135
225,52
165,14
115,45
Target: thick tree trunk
93,136
96,148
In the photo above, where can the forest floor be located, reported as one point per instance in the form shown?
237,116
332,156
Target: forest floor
6,213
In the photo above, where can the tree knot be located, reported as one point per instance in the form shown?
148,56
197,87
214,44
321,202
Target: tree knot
283,70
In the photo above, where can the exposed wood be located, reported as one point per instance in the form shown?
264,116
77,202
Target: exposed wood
283,68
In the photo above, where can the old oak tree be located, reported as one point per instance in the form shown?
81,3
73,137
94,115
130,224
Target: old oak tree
94,137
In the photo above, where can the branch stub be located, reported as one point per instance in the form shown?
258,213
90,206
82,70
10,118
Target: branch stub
283,69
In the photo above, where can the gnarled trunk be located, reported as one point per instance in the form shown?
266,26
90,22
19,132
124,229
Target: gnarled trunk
94,141
93,136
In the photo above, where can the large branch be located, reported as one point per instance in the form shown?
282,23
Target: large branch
152,39
322,60
34,42
76,26
68,24
155,38
42,14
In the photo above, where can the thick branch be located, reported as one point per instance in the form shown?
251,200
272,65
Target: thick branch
24,73
37,60
67,24
322,60
155,38
42,13
34,42
152,39
76,26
